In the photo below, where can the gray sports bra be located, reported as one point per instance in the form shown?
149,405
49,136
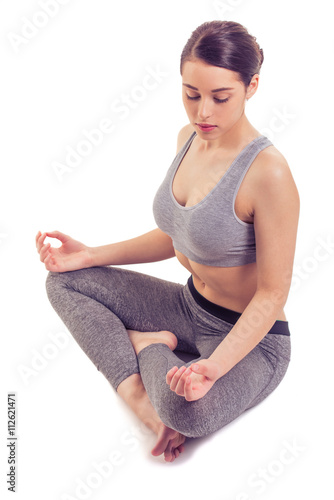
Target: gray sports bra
210,232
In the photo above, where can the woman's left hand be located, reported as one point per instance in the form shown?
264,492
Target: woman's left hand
195,381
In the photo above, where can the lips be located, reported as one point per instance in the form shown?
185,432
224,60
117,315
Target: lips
206,127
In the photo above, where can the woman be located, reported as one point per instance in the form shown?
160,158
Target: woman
228,210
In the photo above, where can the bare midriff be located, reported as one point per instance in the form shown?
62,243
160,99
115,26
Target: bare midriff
229,287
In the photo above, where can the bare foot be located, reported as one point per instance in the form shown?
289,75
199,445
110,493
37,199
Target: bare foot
169,442
140,340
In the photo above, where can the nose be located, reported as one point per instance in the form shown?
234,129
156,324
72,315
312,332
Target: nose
204,109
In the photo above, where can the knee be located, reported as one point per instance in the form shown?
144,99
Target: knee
57,283
56,280
54,283
50,283
51,279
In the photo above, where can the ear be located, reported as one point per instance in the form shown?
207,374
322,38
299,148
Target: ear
253,86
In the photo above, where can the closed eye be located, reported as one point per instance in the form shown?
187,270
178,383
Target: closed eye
221,100
195,98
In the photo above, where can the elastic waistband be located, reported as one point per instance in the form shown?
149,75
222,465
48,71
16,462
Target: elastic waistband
279,327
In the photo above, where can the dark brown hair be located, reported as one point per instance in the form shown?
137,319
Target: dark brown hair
225,44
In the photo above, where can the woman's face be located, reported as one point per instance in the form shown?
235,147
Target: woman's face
214,98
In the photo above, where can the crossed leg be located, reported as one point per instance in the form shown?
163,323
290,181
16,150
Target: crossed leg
98,306
132,391
103,307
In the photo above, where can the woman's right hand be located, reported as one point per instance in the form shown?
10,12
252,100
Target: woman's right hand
70,256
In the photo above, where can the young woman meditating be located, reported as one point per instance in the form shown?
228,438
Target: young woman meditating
228,211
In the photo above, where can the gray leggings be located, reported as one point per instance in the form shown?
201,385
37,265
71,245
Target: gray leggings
98,304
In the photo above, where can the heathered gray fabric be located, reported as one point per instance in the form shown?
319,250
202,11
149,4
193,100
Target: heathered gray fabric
210,232
98,304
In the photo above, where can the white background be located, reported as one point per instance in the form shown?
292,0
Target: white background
63,80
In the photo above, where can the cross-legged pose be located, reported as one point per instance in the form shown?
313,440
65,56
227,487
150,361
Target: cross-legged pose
228,211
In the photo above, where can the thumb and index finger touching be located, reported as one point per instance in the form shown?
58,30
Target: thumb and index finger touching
58,235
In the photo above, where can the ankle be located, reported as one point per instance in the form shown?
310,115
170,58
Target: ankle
131,388
153,423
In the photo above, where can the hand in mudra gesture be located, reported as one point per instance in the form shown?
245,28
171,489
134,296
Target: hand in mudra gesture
70,256
195,381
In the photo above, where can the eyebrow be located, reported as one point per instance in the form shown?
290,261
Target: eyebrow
215,90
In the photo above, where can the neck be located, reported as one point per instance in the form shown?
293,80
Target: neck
240,134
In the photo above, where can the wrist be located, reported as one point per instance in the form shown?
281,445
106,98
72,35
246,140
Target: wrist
219,369
91,256
106,255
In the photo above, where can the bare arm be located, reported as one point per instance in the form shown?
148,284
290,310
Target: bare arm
73,255
275,203
276,213
149,247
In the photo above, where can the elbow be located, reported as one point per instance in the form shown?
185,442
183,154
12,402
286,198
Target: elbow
272,298
275,291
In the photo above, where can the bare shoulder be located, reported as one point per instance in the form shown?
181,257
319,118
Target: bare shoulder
184,135
271,169
270,185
